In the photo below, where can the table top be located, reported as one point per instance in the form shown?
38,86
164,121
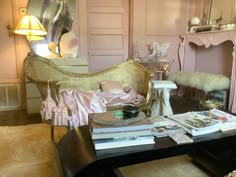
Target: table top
79,158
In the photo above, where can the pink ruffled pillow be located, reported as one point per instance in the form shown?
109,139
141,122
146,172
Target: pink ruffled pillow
107,85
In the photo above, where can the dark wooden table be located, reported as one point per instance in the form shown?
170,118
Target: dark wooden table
79,159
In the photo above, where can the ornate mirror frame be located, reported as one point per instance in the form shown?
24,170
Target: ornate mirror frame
57,17
220,12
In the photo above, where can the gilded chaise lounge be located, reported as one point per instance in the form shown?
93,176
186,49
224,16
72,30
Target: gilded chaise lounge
39,70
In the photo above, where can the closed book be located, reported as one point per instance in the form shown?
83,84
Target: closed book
120,134
107,123
196,123
123,142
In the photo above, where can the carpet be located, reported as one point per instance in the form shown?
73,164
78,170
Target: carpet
28,151
180,166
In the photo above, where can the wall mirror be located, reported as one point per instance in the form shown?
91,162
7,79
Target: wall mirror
57,18
220,12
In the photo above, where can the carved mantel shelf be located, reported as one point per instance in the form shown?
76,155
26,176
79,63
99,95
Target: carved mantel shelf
211,38
187,54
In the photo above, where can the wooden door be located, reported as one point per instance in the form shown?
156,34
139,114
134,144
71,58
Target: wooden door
13,49
8,62
107,33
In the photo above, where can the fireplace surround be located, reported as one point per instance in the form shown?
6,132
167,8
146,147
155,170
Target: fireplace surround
187,54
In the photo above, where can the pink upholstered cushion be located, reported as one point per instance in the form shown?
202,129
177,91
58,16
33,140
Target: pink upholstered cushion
110,85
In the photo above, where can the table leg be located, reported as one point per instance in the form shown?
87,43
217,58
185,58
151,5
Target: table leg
161,106
156,109
167,110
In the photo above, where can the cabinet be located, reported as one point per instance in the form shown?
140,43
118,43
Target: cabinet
33,98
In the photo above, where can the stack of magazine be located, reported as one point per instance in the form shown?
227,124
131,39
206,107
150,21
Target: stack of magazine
204,122
228,121
107,131
197,123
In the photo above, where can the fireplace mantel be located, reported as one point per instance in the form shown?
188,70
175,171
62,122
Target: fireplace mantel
187,54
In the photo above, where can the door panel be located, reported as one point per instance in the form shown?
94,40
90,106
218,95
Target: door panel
105,21
105,3
107,33
106,42
8,62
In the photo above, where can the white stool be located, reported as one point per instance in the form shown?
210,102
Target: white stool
161,106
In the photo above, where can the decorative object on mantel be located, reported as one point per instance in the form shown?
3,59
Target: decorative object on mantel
196,27
212,27
203,28
195,21
228,26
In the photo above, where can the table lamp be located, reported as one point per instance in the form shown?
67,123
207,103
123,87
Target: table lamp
31,27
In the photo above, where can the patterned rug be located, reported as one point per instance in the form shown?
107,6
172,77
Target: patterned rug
27,151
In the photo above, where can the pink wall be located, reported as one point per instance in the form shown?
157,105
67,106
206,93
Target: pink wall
161,21
215,59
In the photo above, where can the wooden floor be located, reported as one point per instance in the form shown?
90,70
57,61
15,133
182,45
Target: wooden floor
18,117
21,117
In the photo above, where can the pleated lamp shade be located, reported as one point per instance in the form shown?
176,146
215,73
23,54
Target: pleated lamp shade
34,38
30,26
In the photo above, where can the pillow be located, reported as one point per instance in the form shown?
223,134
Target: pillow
110,85
127,89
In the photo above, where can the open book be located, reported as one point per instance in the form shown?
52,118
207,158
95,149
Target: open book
196,123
